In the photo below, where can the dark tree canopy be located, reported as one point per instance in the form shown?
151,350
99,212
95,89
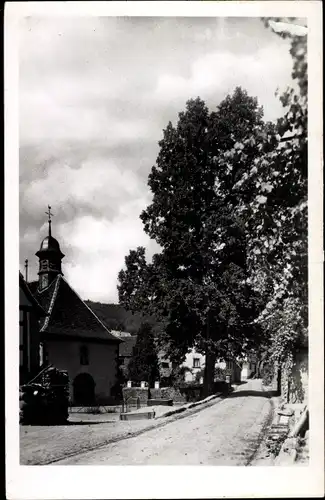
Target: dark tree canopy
197,286
144,364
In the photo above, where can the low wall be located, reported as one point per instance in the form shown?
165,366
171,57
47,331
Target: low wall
162,393
184,394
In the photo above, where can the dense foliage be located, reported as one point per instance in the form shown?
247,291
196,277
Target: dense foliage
144,364
229,210
278,229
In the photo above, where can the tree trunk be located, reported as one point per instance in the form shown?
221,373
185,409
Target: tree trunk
279,381
149,381
210,361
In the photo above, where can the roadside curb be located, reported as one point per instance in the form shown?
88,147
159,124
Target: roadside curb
190,406
170,413
280,425
288,452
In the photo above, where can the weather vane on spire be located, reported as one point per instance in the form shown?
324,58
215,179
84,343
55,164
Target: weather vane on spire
49,219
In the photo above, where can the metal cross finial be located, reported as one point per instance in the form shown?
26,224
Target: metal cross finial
49,212
49,219
26,270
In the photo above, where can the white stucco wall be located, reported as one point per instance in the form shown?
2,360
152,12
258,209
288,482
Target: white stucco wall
247,369
189,363
65,355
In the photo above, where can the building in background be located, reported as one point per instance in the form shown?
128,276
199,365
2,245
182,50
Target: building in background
249,366
30,313
195,362
126,349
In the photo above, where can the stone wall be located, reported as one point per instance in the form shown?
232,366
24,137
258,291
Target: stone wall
189,392
161,393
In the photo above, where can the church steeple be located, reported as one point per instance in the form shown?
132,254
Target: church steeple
49,219
50,257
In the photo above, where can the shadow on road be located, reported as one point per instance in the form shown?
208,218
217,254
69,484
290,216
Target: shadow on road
257,394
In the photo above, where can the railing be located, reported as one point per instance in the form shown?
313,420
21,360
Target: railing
127,404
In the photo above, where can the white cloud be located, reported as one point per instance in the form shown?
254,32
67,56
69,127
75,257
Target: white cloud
221,72
98,248
95,94
100,182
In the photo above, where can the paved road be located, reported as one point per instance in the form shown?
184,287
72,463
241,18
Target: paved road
227,433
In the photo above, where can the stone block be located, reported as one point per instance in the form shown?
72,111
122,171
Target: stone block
284,419
160,402
286,412
137,415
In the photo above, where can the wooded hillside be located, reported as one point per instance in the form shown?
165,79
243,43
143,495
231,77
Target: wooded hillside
115,317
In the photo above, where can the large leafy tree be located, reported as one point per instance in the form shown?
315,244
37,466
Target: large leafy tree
198,285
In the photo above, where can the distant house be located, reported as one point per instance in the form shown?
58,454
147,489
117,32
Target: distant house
195,362
71,336
30,313
165,366
249,367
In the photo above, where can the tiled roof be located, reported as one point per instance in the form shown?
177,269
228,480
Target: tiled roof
26,288
126,348
68,315
33,285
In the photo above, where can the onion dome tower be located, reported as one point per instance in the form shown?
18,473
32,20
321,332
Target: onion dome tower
50,257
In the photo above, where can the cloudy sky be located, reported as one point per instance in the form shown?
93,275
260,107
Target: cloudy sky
95,95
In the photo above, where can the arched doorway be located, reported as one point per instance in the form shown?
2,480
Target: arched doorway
84,389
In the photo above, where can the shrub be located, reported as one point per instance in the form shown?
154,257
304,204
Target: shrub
220,373
94,410
267,373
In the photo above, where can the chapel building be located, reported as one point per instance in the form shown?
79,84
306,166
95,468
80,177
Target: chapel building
71,336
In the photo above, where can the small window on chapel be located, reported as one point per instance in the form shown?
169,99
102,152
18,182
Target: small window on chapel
44,281
84,355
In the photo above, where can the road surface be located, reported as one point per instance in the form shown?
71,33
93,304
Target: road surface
227,433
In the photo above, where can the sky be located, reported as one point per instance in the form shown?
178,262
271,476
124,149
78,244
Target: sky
94,97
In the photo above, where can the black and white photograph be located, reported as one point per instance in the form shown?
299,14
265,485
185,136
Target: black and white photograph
164,220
